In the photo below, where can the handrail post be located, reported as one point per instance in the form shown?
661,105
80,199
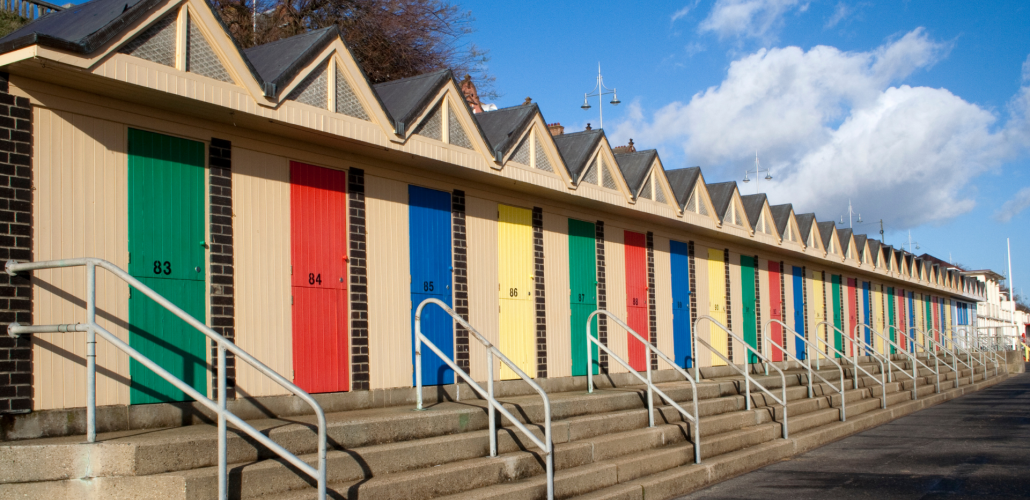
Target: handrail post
650,395
590,357
490,408
418,361
91,353
223,459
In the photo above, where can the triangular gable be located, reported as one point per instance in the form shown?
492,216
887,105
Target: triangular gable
636,168
601,169
831,244
656,187
862,242
735,213
846,237
700,201
756,207
536,149
688,184
875,253
579,151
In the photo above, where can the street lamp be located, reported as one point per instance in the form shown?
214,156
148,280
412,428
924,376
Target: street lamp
758,168
850,213
599,91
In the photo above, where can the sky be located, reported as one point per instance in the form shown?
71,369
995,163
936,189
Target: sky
918,112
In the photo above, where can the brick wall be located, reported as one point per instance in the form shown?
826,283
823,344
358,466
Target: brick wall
15,243
358,279
758,309
729,303
602,297
540,301
693,303
652,310
460,277
221,252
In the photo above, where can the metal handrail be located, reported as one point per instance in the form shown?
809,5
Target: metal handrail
936,359
694,419
870,351
747,376
875,357
993,351
546,445
766,340
977,358
890,362
224,415
954,359
915,367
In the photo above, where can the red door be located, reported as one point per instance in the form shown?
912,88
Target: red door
936,319
775,310
852,313
318,232
636,298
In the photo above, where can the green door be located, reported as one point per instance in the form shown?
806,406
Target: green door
890,317
166,253
747,295
838,313
583,292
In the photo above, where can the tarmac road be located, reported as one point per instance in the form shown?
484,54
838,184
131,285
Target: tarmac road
976,446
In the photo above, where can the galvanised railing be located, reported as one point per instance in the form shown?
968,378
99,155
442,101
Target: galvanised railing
92,329
546,446
29,9
693,419
768,341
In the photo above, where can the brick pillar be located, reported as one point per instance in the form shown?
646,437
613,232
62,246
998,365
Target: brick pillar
783,307
15,243
540,300
693,304
358,280
602,297
729,303
221,274
460,278
652,311
758,305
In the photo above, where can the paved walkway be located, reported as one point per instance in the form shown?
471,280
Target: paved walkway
976,446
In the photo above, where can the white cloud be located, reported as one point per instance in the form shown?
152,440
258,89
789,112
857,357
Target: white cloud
839,13
835,125
684,11
1026,70
1015,206
748,18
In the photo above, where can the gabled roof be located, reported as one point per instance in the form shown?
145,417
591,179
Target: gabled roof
405,99
682,181
874,250
781,214
721,194
826,231
805,225
278,63
753,204
504,127
81,28
576,149
844,235
860,241
635,167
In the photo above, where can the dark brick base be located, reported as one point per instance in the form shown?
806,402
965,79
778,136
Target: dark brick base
540,300
602,296
358,280
461,280
15,243
221,274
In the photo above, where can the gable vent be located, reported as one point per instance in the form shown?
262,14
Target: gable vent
645,191
156,44
542,162
431,127
659,193
609,178
314,90
455,133
200,59
522,152
591,176
347,102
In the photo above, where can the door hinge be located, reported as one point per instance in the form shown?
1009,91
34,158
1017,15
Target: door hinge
294,372
291,300
130,257
291,270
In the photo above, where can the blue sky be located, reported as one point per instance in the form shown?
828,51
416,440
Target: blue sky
915,110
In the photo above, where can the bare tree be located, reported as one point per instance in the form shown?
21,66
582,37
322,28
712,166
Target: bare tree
391,39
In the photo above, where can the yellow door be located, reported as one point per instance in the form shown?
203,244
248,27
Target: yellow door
947,318
818,305
717,304
921,318
878,316
515,262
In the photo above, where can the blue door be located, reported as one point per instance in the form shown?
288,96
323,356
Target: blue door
868,314
680,263
429,233
799,313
